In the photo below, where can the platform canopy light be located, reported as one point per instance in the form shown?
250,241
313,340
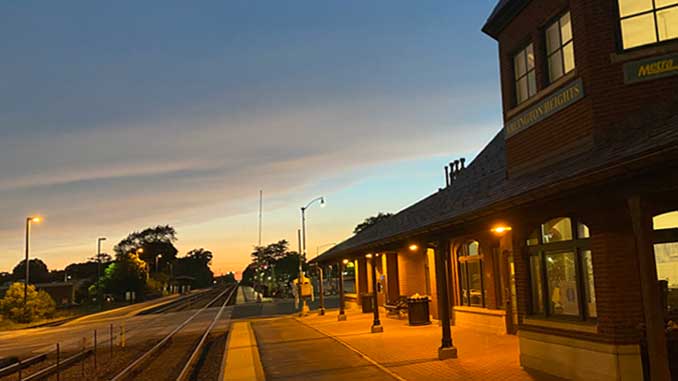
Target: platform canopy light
345,261
368,256
501,229
414,247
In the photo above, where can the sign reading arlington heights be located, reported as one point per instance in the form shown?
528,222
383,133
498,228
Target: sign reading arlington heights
550,105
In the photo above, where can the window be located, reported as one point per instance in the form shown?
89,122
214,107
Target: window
666,259
561,270
646,22
349,278
525,77
471,275
560,47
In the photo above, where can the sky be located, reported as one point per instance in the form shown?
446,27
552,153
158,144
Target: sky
117,116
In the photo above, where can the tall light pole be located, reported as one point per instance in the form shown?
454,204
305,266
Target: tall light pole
303,244
99,295
156,261
29,220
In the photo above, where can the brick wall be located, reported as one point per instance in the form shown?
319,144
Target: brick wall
412,273
599,63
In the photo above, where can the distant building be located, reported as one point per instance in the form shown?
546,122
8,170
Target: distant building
62,293
564,229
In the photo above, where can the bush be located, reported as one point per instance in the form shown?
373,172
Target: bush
39,304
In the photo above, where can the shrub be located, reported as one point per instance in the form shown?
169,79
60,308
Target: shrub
39,304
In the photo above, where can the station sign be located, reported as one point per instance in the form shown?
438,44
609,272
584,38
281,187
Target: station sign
548,106
651,68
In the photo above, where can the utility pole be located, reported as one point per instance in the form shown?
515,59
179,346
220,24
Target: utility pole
261,208
99,294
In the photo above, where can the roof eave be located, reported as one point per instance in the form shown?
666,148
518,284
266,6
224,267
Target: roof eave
502,16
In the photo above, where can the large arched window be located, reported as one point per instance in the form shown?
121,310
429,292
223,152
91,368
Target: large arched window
471,274
561,270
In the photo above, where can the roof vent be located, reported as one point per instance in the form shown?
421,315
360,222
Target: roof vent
453,170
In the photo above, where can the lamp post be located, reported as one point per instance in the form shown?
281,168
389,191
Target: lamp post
304,307
342,314
157,257
99,295
29,220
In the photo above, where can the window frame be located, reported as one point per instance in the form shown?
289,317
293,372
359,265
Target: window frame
654,10
576,245
516,79
561,47
463,258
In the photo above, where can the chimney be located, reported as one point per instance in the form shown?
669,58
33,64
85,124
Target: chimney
447,176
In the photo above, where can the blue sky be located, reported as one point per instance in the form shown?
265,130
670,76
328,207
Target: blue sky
116,116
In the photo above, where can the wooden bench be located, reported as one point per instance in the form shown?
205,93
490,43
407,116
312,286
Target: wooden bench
397,307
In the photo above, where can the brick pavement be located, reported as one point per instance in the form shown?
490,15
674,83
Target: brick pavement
411,352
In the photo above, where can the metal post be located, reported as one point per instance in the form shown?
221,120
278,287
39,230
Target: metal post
82,362
342,314
302,258
301,275
122,335
110,340
100,296
28,238
447,349
376,324
321,291
95,350
58,362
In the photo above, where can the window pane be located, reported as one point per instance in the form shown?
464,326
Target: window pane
552,38
537,285
557,229
530,56
631,7
665,221
568,57
637,31
473,248
667,23
475,283
531,83
664,3
521,89
463,279
583,231
556,65
566,28
589,286
519,64
562,284
666,256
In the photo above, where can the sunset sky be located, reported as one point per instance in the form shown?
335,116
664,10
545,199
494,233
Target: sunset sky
116,116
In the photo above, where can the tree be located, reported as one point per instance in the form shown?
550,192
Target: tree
39,304
154,241
196,264
39,273
371,221
127,273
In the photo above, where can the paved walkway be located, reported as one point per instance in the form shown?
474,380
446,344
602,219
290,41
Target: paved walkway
290,350
411,352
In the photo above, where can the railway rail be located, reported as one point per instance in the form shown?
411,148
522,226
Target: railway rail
76,363
179,349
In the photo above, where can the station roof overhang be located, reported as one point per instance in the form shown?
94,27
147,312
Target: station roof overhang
502,15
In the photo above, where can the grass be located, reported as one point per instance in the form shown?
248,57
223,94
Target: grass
61,314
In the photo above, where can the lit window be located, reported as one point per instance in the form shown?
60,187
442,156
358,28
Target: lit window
561,270
560,47
471,275
646,22
666,259
525,77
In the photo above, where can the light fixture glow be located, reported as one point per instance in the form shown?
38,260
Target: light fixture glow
368,256
345,261
322,202
501,229
35,219
414,247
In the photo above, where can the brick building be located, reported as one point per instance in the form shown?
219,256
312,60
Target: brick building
564,229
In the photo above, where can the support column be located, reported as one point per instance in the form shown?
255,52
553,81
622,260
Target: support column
654,319
447,349
342,305
376,324
321,291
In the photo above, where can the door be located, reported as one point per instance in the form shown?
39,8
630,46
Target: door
666,259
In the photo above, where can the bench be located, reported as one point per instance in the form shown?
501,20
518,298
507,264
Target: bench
396,307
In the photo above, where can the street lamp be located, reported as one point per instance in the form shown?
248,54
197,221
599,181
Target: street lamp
29,220
156,261
303,246
99,296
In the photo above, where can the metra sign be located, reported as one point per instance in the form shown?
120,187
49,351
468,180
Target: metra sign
652,68
557,101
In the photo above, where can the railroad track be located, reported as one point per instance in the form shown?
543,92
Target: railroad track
81,363
175,356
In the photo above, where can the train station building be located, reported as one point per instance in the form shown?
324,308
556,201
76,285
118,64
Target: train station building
564,228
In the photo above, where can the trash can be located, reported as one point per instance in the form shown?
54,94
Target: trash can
418,310
367,302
